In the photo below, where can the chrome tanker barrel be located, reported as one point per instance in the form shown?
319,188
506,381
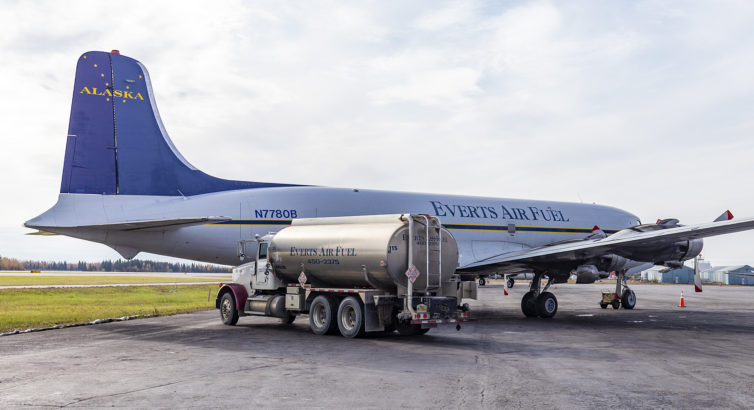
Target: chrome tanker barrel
365,251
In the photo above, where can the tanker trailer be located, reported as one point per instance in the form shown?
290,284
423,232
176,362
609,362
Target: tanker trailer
357,274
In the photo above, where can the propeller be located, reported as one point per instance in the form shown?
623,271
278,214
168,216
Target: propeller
697,277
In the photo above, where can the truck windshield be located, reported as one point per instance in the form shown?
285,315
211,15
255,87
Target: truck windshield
263,250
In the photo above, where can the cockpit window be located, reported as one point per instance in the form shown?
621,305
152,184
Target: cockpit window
263,250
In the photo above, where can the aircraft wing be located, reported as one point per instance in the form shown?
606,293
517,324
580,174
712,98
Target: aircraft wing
623,243
142,224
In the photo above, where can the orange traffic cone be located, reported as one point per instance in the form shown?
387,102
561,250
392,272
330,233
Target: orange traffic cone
505,290
682,304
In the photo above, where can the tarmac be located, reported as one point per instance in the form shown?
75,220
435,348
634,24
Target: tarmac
655,356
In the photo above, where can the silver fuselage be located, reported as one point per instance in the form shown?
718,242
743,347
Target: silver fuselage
482,226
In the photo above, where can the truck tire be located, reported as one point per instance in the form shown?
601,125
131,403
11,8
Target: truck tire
351,317
322,316
228,311
408,329
288,319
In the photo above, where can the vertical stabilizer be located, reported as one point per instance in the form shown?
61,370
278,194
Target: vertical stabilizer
117,143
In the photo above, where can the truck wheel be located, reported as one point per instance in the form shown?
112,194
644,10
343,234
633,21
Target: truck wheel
288,319
528,305
547,305
351,317
322,316
228,311
628,299
603,305
615,303
408,329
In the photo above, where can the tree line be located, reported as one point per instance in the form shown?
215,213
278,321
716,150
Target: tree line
120,265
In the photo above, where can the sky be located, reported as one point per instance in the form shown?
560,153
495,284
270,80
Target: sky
642,105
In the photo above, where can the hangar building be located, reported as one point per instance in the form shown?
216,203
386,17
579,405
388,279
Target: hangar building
729,275
657,274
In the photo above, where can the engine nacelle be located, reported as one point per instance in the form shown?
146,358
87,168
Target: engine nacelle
659,254
694,247
682,251
589,274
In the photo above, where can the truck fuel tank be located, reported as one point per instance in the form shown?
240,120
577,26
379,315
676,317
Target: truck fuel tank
365,251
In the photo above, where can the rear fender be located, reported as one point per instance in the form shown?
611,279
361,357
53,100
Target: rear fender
239,294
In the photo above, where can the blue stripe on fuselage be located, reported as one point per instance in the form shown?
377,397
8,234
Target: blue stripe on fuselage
450,226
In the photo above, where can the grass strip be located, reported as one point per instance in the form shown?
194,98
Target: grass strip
33,308
28,280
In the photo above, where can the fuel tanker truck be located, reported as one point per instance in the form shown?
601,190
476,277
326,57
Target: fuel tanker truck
353,275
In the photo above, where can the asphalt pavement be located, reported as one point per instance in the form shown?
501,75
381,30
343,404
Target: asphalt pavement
655,356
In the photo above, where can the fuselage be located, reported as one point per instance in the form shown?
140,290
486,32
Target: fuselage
482,226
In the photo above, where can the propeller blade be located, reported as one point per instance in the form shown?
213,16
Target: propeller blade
697,277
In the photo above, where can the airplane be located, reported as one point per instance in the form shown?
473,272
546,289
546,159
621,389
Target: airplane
125,184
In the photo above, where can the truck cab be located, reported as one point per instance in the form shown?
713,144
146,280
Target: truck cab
258,274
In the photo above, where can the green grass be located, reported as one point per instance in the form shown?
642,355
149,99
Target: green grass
28,280
34,308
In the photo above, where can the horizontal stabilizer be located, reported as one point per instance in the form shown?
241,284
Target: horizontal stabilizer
42,233
148,224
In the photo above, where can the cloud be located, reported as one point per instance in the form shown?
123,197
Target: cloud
641,105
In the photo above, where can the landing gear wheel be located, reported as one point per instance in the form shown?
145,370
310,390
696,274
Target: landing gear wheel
547,305
408,329
603,305
322,316
228,311
528,305
628,299
351,317
511,282
482,281
615,304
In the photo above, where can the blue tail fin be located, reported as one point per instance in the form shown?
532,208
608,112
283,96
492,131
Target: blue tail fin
117,144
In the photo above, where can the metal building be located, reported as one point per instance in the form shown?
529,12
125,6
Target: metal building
662,274
729,275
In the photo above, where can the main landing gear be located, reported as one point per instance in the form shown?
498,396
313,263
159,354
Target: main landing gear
623,295
627,296
538,302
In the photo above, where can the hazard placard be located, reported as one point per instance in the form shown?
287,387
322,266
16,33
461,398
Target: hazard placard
302,279
412,273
